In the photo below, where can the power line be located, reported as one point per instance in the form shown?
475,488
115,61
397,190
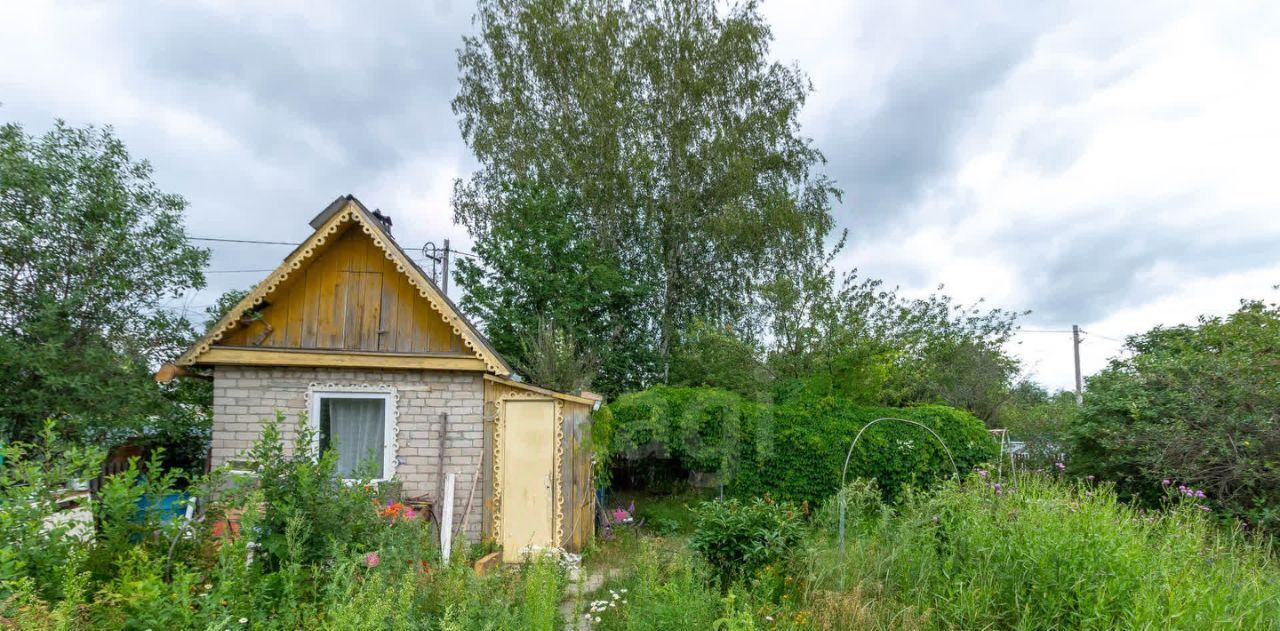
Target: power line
1102,336
259,242
221,240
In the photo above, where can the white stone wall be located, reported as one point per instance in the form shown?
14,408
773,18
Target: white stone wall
244,395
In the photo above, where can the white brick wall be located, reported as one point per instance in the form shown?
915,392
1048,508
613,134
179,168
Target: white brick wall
244,395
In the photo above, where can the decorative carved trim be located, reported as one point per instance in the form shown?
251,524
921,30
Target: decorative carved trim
557,521
390,460
499,418
391,251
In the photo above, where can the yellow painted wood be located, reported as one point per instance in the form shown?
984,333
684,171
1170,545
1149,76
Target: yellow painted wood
389,310
528,436
350,297
339,359
505,385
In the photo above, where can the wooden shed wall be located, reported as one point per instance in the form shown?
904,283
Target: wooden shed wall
578,488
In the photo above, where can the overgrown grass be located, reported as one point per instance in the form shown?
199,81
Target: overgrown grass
1054,555
1048,554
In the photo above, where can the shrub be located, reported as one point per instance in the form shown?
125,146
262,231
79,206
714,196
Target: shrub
794,450
32,477
811,439
704,429
1196,404
309,513
739,538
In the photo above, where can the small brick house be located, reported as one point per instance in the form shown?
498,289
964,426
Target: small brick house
351,334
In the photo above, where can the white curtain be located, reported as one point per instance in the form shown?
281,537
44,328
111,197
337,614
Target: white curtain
357,426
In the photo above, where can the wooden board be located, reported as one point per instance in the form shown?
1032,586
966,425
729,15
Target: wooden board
350,297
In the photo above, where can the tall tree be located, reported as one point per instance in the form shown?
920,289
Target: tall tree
90,248
541,288
668,122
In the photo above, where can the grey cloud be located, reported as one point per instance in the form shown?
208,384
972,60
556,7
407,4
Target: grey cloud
379,87
886,160
323,107
1083,272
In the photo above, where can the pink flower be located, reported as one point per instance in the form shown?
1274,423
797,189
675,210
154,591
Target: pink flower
620,514
1060,466
1166,482
372,559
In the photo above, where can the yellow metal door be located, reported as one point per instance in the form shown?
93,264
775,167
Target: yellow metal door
528,454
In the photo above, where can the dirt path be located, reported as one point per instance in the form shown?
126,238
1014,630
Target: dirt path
582,583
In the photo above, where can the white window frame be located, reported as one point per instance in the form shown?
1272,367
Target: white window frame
316,393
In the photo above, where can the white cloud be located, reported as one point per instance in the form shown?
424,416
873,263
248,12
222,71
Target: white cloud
1105,165
1134,146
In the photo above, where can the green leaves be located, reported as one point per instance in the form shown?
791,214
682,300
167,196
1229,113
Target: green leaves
565,311
669,125
793,450
91,248
1196,404
739,538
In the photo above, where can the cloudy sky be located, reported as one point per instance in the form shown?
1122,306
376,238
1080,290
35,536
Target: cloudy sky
1106,165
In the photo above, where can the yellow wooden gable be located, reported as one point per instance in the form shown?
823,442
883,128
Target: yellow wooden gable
348,296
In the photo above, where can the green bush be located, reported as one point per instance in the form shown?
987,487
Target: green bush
704,429
1194,404
811,439
309,511
31,477
794,450
739,538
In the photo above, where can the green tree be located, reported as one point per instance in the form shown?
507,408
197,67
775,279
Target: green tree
90,250
1198,405
540,284
719,358
859,340
670,124
1039,420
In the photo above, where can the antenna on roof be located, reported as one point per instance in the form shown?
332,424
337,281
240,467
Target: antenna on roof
439,258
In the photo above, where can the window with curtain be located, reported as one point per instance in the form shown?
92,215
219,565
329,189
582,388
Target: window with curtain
357,429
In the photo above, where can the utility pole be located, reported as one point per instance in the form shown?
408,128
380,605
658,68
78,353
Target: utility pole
1075,338
444,276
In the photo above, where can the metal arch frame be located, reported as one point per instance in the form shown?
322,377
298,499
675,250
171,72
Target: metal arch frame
844,473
